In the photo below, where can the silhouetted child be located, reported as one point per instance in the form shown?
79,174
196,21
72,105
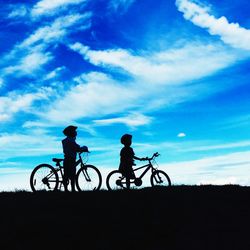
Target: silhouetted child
70,149
127,157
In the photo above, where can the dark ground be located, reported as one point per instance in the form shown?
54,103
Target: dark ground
180,217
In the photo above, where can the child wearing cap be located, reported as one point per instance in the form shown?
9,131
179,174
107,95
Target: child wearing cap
127,157
70,149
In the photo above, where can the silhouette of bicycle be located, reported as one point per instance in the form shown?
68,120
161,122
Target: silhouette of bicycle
115,180
48,178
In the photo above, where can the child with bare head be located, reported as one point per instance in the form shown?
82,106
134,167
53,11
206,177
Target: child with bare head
127,157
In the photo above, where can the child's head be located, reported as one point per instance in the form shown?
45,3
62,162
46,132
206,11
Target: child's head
126,140
70,131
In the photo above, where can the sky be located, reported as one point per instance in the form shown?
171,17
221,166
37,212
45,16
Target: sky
173,73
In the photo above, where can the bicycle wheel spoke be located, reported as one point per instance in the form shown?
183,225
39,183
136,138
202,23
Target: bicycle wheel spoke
43,177
160,178
115,181
88,178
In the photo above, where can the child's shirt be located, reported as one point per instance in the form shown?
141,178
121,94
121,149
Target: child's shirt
70,147
126,157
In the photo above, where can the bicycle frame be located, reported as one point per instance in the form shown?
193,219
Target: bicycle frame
117,179
147,166
60,170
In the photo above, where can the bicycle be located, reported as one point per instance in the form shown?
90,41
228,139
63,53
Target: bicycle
115,179
48,178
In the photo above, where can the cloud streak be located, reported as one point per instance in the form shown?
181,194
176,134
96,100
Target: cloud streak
230,33
49,7
16,102
120,5
57,30
194,61
29,56
87,99
224,169
132,120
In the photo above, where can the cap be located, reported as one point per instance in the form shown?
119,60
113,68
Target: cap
69,130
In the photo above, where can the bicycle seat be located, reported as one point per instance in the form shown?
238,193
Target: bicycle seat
57,160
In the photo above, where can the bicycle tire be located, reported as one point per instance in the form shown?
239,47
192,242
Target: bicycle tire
115,186
38,181
94,175
156,179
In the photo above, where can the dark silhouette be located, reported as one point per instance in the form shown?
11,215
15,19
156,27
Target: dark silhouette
70,149
127,157
116,179
49,178
176,218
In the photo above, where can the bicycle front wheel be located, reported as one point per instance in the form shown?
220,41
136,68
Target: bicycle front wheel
115,180
160,178
88,178
44,178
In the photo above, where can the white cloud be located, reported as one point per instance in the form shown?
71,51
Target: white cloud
230,33
15,102
57,30
18,11
54,73
32,144
231,168
181,135
243,120
132,120
233,145
194,61
31,62
96,94
15,181
48,7
31,55
120,5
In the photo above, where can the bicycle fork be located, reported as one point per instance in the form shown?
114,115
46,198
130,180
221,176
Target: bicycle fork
86,175
158,178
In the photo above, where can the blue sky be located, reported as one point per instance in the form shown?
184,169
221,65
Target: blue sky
175,74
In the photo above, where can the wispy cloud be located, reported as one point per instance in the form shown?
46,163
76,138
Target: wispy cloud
230,33
120,5
132,120
193,61
29,56
15,102
87,99
238,121
54,73
14,145
57,30
234,145
30,63
18,10
49,7
231,168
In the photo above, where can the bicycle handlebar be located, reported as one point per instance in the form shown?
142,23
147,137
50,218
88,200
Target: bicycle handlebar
153,156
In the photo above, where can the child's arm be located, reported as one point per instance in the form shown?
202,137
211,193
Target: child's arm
137,158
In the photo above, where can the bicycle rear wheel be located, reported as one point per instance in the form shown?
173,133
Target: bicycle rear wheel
88,178
44,178
160,178
115,180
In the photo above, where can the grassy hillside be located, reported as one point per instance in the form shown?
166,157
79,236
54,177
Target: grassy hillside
181,217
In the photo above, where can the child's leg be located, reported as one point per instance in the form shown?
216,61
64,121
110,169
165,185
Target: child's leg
72,184
65,183
128,182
